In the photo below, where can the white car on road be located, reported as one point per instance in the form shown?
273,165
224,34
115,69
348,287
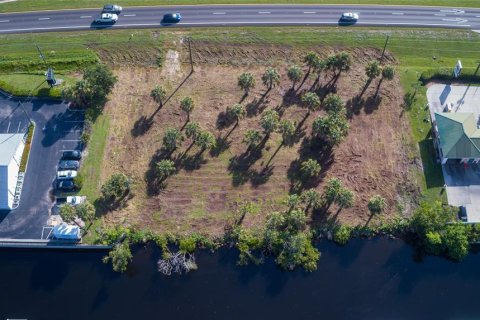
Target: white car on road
349,16
106,18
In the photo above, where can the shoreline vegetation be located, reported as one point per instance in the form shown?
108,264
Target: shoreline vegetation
29,5
286,234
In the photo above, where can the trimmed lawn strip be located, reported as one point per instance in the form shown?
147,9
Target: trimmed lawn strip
22,85
28,5
92,165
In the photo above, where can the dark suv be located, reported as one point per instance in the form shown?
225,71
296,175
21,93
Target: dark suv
66,185
72,155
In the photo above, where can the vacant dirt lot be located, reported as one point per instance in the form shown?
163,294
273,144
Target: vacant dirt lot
205,194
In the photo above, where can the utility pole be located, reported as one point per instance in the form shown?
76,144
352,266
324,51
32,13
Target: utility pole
190,51
385,47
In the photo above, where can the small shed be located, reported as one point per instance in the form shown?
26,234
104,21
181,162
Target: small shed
66,232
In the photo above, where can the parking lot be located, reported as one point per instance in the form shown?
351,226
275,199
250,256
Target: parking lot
57,129
462,180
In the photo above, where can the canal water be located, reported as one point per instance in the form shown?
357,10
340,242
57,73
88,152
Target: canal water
367,279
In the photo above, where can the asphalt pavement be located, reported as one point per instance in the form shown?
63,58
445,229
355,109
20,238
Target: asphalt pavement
245,15
57,129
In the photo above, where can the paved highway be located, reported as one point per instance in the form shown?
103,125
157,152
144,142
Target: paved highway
245,15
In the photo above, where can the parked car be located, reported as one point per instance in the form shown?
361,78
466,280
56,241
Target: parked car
66,174
172,18
349,16
109,18
76,200
112,8
72,155
68,165
66,185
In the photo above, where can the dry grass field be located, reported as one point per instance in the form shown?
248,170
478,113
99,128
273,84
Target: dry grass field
205,194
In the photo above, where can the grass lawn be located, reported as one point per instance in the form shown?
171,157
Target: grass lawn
26,5
91,166
22,84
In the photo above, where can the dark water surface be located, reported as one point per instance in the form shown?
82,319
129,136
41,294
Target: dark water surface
375,279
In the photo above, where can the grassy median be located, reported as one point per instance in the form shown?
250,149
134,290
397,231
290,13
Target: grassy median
27,5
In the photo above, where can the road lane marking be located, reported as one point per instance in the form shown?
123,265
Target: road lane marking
85,17
264,12
440,15
398,13
129,15
4,20
454,11
309,12
457,20
43,18
219,13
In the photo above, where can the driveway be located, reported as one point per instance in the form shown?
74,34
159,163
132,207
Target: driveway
462,180
57,129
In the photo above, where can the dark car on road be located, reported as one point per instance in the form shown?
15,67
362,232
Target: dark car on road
66,185
112,8
172,18
68,165
72,155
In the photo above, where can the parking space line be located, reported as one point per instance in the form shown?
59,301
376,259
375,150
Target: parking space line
74,121
72,140
8,128
18,129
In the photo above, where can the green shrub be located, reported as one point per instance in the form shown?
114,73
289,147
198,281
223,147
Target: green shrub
78,180
120,256
188,244
342,235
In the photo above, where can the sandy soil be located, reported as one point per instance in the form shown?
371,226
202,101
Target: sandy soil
205,195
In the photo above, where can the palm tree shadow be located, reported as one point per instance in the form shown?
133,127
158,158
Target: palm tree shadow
141,126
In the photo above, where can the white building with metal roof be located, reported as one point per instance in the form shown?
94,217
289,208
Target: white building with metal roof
11,150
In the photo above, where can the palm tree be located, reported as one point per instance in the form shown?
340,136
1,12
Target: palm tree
319,67
346,198
295,74
246,81
187,106
333,128
388,73
332,190
376,204
310,101
287,129
312,199
236,112
372,70
252,138
172,139
270,78
310,168
158,94
192,129
269,121
165,168
334,104
343,62
292,201
310,60
205,140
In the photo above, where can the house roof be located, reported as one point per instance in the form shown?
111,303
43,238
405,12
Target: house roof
459,135
9,143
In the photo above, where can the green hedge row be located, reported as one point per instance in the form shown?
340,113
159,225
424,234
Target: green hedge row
446,74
